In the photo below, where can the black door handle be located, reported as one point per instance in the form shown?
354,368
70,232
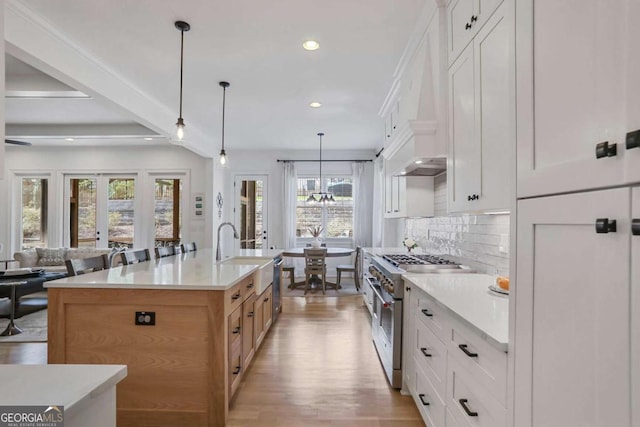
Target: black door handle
426,313
424,351
604,149
467,26
236,371
635,227
604,225
464,349
421,397
474,18
236,296
463,403
236,330
469,198
250,314
633,139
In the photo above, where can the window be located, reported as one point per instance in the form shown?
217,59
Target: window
167,212
34,212
336,219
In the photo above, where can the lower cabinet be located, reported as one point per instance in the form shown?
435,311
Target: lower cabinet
264,315
457,378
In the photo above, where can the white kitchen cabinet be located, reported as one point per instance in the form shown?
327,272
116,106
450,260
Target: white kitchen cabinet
409,196
635,306
481,119
577,61
572,328
464,19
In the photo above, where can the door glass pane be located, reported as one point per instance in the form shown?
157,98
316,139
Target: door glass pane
258,218
167,212
34,212
83,212
120,212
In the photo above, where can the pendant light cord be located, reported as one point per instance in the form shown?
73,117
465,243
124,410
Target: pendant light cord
224,101
181,66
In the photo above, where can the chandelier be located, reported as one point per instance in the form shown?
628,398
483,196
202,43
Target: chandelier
321,196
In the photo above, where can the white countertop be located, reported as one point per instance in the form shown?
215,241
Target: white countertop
260,253
70,386
191,271
467,298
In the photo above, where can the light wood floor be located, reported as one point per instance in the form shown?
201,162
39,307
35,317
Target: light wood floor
317,367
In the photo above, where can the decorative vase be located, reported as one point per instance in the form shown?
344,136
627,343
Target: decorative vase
409,250
315,242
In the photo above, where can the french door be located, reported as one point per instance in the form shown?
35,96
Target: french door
251,212
100,211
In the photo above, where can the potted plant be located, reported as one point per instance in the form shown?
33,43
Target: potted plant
409,244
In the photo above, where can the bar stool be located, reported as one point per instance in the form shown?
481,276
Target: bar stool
11,328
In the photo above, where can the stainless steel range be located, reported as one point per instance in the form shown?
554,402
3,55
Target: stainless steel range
388,288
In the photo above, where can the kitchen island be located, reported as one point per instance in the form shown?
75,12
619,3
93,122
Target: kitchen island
185,326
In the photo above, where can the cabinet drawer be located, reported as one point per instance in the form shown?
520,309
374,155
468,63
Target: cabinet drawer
430,405
434,317
485,363
234,296
235,370
431,355
235,328
469,403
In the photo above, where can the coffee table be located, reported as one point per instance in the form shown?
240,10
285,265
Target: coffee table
32,285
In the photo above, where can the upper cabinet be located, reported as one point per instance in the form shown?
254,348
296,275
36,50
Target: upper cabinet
578,68
409,196
481,117
464,19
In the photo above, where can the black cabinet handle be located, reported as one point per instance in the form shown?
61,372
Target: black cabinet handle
236,371
604,149
424,351
236,296
635,227
469,198
426,313
474,18
250,314
463,403
633,139
421,397
236,330
266,299
250,285
604,225
467,26
408,289
464,349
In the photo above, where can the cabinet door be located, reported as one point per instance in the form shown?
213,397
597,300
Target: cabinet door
571,93
259,322
248,332
396,183
459,26
494,76
267,309
463,164
635,308
388,189
572,300
632,153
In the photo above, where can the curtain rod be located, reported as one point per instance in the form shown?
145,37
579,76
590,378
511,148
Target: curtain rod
324,161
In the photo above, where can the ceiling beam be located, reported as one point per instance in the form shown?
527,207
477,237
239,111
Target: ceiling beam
116,130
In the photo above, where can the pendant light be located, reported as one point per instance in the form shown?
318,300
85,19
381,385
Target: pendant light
182,27
223,154
323,197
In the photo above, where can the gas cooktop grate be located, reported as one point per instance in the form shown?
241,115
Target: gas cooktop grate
418,259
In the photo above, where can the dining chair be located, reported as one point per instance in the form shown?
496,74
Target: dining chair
188,247
356,269
177,249
315,267
134,257
164,251
78,266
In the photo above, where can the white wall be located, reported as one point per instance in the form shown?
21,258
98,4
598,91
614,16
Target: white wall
256,162
143,161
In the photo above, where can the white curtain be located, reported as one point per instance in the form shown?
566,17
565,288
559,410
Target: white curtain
290,197
361,205
378,203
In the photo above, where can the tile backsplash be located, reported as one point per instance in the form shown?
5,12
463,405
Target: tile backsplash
479,241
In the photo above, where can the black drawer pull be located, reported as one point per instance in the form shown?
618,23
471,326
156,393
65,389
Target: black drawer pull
424,351
469,198
463,347
250,314
463,403
426,313
604,225
250,285
604,149
633,139
635,227
236,296
474,18
421,397
467,26
236,330
266,299
236,371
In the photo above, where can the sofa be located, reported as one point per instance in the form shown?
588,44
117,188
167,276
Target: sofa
52,259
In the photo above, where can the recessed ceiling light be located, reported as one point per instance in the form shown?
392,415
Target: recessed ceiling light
148,139
315,105
403,172
418,162
69,139
311,45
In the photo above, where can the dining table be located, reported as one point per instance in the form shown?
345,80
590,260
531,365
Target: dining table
332,252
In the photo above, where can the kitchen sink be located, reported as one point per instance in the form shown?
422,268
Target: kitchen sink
263,276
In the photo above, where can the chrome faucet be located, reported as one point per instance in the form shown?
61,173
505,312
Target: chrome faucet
235,236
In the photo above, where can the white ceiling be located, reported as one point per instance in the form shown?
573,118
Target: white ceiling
253,44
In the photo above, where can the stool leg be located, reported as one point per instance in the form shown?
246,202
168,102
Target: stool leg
11,328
